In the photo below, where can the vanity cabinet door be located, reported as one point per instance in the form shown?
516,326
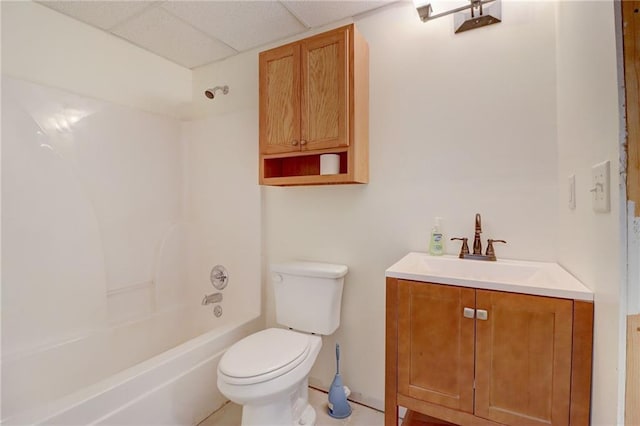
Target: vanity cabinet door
280,100
436,344
325,90
523,358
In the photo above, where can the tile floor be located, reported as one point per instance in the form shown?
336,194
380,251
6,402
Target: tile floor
230,414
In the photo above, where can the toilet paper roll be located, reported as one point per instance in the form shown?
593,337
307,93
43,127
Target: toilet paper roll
329,164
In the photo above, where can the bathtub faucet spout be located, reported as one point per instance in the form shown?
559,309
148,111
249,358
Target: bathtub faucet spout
212,298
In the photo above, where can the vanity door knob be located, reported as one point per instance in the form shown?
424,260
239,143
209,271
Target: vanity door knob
303,142
469,313
294,142
481,314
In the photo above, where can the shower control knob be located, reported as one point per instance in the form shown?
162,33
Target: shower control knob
219,277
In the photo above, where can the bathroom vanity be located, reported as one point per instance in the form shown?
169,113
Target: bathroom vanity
487,343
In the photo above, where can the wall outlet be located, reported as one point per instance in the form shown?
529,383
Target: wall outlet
601,187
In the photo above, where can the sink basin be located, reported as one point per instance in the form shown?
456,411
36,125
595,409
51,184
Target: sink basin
518,276
479,270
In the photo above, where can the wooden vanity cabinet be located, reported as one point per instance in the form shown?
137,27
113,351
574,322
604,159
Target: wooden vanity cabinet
314,99
507,358
523,358
435,344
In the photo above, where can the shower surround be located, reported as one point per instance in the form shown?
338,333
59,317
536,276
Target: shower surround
104,260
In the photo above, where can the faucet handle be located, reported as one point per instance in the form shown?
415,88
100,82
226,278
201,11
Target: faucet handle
490,251
465,246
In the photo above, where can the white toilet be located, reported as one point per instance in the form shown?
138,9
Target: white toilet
267,372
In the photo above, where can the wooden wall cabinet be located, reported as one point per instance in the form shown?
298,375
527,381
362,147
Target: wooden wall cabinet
484,357
314,99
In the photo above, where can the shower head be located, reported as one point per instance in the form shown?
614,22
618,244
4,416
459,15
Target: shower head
211,93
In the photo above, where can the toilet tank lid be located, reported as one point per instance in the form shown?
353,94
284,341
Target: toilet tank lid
310,269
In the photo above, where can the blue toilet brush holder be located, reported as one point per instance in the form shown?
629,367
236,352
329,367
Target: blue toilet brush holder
339,407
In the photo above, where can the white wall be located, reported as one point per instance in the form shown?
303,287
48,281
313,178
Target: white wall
123,165
47,47
223,209
223,203
590,244
485,121
240,73
459,124
90,192
112,213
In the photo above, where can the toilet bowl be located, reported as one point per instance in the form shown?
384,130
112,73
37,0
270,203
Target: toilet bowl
267,373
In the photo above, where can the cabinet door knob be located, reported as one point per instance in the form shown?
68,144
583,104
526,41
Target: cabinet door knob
482,314
303,142
294,142
469,313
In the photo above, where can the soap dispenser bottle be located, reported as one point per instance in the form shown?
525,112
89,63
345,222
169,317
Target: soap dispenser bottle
436,242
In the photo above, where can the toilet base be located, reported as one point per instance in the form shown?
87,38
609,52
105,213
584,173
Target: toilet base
292,409
308,417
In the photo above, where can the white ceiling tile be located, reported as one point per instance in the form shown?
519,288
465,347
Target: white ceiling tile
197,32
162,33
102,14
315,13
240,24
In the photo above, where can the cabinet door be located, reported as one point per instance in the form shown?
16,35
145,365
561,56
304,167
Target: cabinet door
436,344
523,364
325,91
280,100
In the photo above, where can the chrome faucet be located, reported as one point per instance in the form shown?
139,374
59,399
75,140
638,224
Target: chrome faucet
212,298
477,245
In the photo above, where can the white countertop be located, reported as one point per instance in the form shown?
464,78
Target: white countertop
515,276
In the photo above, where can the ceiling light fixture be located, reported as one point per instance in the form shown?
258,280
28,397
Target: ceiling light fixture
469,14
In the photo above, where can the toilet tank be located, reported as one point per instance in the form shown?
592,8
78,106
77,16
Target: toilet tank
308,295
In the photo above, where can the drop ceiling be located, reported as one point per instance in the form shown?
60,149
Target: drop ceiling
195,33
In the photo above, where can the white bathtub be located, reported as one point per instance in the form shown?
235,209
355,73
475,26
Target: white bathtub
82,386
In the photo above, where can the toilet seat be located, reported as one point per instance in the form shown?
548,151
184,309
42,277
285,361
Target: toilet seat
263,356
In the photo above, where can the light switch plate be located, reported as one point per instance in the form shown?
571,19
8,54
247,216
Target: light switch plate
601,187
572,192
